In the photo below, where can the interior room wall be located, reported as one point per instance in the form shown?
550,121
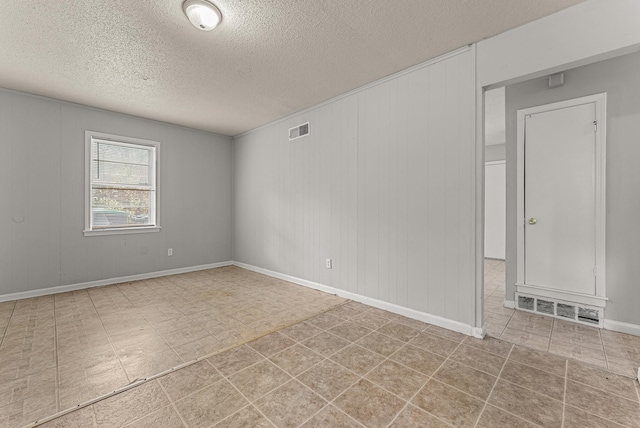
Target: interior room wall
383,186
42,198
619,79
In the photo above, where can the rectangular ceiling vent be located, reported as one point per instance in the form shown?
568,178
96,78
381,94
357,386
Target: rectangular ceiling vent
298,131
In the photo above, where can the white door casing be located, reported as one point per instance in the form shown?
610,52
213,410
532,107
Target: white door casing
494,210
561,204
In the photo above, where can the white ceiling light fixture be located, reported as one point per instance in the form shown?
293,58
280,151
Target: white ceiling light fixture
202,14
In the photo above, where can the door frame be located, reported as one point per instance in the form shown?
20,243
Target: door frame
599,299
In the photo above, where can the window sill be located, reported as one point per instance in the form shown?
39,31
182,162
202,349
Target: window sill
122,231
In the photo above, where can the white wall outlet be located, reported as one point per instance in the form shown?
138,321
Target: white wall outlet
170,252
144,249
328,264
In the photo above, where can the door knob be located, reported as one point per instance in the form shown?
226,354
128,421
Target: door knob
532,220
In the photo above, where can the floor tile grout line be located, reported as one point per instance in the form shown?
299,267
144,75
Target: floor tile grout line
246,406
113,348
4,334
536,367
173,404
429,378
250,403
564,393
602,390
599,416
486,401
57,358
532,390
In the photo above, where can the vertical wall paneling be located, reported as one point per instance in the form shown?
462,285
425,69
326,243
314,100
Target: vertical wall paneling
418,203
20,171
438,240
6,268
400,191
383,186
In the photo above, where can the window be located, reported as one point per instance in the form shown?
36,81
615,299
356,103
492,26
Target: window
121,184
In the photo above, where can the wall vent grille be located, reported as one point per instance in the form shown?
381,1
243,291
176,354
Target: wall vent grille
525,302
590,316
545,307
566,311
299,131
560,309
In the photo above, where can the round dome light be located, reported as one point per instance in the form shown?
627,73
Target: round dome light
202,14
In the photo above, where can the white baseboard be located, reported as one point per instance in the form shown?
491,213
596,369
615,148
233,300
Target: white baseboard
109,281
510,304
391,307
622,327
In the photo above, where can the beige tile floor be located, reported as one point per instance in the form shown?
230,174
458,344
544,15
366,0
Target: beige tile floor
616,352
60,350
351,366
357,366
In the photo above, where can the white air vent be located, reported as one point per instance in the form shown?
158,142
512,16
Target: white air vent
298,131
590,316
566,310
545,307
525,302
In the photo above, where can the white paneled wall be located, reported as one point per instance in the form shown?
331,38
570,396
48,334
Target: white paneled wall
383,185
42,198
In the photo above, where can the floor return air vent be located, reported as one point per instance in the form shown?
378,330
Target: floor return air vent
569,311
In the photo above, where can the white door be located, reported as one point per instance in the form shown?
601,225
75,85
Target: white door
560,199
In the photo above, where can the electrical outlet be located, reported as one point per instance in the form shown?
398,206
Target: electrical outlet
328,264
144,249
170,252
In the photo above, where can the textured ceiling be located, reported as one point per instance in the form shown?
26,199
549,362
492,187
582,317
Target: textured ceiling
266,60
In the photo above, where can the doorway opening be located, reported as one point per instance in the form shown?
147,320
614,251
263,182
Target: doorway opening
495,190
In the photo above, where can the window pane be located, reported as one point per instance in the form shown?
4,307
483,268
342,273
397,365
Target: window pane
121,207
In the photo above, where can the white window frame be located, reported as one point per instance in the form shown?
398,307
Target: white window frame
88,231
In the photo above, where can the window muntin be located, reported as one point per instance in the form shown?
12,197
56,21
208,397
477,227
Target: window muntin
122,184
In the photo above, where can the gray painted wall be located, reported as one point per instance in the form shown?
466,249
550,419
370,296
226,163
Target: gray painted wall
42,179
383,185
619,79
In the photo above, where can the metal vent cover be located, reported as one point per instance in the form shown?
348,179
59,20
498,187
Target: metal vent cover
298,131
566,311
525,302
588,315
545,307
